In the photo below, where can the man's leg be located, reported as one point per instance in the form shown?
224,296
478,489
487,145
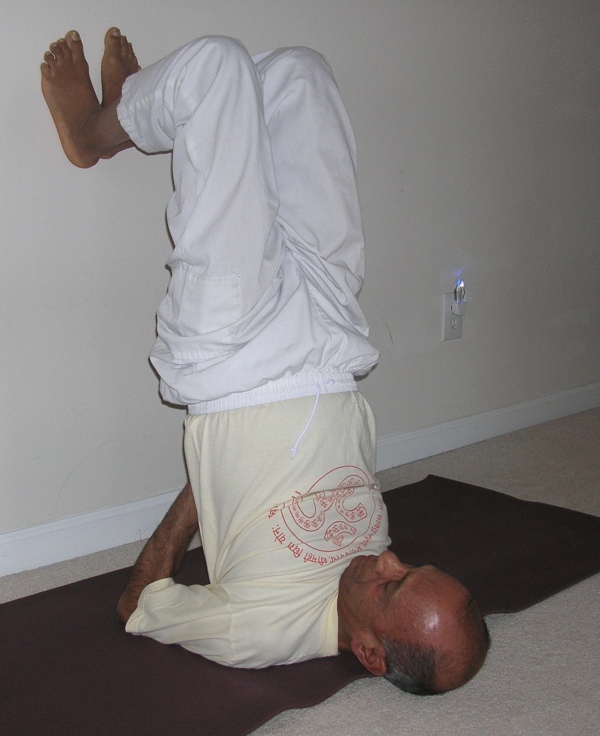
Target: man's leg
163,553
314,155
87,129
204,102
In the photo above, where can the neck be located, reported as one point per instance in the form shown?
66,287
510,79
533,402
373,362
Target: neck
343,636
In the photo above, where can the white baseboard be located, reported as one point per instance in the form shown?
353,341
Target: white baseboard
75,536
404,448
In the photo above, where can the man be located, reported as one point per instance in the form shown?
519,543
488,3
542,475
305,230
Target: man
261,337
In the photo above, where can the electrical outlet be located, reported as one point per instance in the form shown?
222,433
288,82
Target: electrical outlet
451,323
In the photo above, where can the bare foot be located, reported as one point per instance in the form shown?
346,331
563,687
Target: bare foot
87,131
118,63
70,96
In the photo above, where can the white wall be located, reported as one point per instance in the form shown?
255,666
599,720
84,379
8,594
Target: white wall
477,123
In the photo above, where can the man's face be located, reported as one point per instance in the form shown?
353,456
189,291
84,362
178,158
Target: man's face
391,599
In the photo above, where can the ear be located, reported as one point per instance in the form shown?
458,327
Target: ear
370,653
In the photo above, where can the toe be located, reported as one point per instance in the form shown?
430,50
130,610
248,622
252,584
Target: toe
56,51
112,38
73,43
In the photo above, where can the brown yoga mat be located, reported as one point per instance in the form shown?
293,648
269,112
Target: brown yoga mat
68,668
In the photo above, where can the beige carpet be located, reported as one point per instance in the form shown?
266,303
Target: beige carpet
542,677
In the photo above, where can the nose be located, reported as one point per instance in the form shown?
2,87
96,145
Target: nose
388,565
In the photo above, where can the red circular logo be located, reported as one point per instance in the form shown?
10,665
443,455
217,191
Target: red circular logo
330,517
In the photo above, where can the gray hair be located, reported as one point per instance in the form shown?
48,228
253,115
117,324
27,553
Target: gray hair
410,667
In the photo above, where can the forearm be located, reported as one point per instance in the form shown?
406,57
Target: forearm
175,532
163,553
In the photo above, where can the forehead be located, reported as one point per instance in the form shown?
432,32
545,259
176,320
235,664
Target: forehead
425,598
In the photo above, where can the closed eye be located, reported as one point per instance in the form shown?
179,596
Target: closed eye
388,591
391,586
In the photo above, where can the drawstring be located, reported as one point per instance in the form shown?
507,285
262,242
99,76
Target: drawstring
294,449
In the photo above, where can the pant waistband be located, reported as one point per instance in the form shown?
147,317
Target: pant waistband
289,387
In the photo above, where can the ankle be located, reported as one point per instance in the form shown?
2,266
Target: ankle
100,132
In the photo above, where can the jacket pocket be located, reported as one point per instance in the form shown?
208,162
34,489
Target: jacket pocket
196,316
